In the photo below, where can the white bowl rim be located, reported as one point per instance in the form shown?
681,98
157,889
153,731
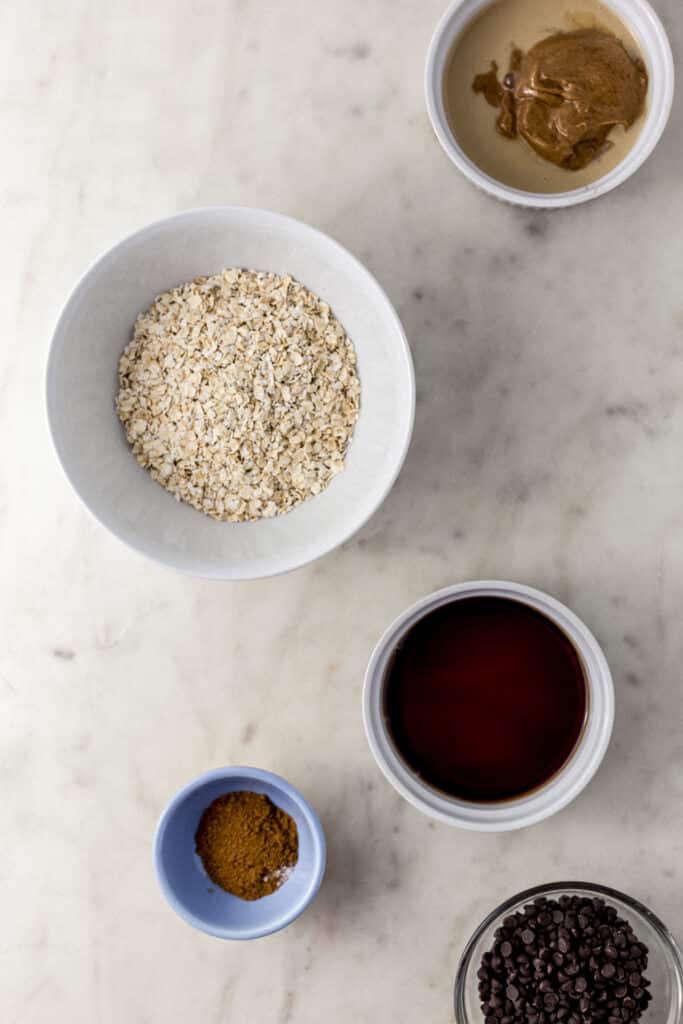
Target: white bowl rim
540,803
128,537
655,123
278,783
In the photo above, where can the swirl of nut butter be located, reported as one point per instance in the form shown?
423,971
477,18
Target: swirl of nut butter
566,94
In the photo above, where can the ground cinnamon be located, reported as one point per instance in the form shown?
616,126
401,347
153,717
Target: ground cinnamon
248,845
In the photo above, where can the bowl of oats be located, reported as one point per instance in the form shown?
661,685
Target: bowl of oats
230,392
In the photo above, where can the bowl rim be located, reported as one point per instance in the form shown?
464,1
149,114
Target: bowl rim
655,119
128,537
278,783
546,800
550,889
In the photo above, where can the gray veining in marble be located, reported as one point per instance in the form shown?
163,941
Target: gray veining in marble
548,449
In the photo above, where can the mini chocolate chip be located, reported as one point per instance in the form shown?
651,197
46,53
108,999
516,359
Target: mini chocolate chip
534,976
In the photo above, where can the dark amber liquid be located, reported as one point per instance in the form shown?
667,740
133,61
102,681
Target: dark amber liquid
485,698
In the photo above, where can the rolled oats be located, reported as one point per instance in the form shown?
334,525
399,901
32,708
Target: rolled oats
239,393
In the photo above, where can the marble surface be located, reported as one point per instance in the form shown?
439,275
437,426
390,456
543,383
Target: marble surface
548,441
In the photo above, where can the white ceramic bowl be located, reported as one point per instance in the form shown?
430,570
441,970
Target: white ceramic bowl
96,325
542,802
645,27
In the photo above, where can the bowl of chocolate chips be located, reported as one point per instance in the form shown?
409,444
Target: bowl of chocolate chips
570,953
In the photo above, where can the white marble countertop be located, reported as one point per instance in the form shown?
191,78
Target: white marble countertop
548,449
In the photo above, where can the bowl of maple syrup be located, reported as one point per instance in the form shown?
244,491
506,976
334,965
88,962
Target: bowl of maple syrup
488,705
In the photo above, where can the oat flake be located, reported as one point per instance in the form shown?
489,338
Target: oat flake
239,393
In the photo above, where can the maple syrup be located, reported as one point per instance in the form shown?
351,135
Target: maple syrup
485,698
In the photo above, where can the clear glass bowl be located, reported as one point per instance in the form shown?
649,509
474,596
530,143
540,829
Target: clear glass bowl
665,963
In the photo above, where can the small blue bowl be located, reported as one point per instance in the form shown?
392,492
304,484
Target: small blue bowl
188,888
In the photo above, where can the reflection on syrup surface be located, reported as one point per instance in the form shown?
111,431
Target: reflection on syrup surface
485,698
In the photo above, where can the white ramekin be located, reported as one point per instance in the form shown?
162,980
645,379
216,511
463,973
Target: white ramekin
542,802
646,28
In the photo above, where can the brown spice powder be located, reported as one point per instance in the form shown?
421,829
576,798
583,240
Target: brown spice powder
247,844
